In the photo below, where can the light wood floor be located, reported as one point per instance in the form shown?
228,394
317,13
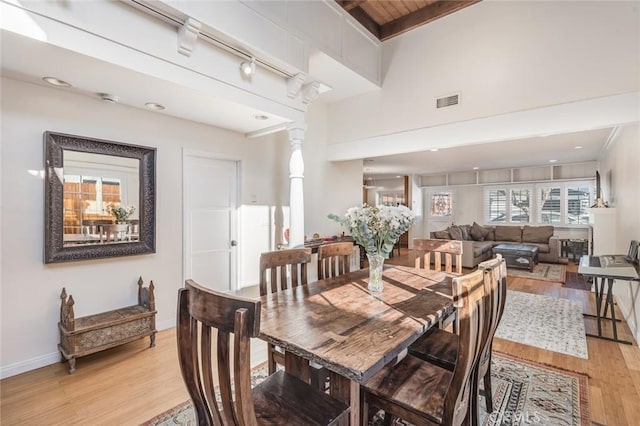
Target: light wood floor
131,384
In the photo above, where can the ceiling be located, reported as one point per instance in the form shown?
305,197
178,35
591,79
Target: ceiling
387,19
565,148
28,60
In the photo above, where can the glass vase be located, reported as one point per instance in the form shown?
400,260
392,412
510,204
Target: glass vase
376,262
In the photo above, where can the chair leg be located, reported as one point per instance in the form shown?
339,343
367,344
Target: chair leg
271,362
488,393
473,417
388,418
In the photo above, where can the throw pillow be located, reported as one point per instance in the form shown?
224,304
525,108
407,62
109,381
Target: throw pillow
456,232
466,232
478,232
441,235
537,234
509,234
491,236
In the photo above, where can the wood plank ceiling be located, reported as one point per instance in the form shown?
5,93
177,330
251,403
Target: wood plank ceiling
389,18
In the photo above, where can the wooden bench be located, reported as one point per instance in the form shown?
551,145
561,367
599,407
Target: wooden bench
95,333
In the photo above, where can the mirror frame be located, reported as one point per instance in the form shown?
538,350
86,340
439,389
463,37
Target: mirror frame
54,250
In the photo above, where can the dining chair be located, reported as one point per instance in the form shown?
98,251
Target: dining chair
423,248
283,268
334,259
423,393
280,399
277,270
134,230
440,347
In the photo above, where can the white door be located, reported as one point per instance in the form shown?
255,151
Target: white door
210,221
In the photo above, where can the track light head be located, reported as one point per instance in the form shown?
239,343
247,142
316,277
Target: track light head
247,69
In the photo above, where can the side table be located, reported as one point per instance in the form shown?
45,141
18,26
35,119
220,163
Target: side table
574,246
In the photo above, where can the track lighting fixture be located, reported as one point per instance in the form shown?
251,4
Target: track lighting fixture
247,69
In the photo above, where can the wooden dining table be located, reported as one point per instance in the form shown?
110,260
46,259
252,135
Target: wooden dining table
338,324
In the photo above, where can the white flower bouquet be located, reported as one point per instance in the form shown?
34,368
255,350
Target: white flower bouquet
121,212
377,229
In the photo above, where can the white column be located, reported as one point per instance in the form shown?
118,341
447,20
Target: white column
296,193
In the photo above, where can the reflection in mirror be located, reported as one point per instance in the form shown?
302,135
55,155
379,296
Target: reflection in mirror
99,198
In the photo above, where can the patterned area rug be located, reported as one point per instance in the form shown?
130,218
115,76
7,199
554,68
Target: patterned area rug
542,271
544,322
524,393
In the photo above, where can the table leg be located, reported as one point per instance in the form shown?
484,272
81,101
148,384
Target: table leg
347,390
610,303
608,300
297,366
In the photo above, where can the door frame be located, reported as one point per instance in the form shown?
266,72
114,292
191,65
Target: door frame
235,273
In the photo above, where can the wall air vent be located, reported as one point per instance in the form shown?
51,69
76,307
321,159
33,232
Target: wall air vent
448,101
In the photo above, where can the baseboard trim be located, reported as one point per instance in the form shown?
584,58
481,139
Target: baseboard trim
55,357
29,364
628,313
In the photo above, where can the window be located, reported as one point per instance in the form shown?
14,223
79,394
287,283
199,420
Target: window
520,205
549,205
497,205
86,198
508,205
578,201
565,203
441,204
391,198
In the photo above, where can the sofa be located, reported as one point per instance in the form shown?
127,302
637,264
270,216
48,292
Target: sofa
478,241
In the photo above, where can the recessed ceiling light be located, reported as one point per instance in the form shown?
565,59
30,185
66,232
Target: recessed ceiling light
476,168
553,161
56,82
577,147
398,176
109,98
261,117
154,106
434,150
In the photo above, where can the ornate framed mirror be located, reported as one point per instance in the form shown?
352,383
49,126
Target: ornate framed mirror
100,198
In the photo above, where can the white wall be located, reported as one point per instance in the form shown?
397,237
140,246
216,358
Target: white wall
31,289
621,178
503,56
329,187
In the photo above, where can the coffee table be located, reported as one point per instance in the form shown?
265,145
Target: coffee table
523,256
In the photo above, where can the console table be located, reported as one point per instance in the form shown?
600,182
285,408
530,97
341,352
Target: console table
105,330
606,278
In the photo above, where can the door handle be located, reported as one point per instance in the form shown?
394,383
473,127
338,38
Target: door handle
234,243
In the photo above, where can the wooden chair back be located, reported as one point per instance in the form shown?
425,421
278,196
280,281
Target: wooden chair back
496,287
199,311
274,266
470,289
423,249
334,259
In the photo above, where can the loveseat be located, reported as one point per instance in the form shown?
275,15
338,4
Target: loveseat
478,241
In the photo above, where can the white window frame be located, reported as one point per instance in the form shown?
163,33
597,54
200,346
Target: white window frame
508,189
564,201
539,203
398,197
535,214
